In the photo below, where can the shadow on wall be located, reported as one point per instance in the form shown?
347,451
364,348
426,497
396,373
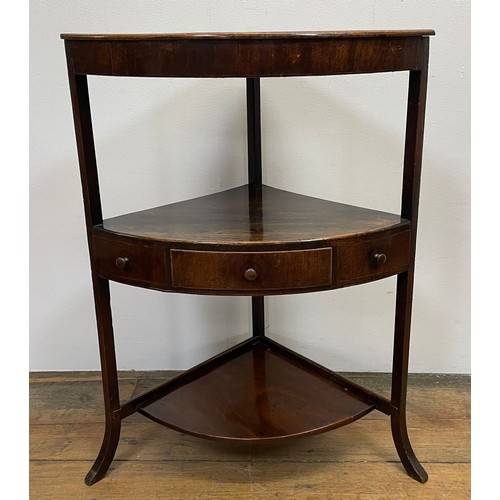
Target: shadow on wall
169,149
344,140
156,330
363,166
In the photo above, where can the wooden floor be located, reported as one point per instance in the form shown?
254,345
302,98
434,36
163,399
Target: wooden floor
358,461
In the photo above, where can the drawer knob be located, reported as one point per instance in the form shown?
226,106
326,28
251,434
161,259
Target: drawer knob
121,262
250,274
379,258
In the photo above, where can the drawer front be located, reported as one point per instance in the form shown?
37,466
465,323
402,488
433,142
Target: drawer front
134,263
373,259
251,271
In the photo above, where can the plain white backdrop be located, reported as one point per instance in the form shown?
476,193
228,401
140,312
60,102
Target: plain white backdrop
165,140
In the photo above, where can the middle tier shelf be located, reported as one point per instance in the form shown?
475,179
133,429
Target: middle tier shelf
258,391
251,241
252,216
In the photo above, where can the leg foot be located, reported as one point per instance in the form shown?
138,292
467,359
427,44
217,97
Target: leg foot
106,454
404,449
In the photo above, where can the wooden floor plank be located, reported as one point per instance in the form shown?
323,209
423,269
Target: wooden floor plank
76,400
71,401
364,440
357,461
245,480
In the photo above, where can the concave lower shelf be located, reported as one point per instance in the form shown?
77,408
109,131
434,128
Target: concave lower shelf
258,391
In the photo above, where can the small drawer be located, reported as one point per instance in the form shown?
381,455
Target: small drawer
373,259
135,263
251,271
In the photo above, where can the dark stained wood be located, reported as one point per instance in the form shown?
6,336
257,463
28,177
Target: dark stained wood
143,263
254,142
223,234
110,387
417,91
252,240
86,149
381,403
264,396
225,271
258,316
152,394
93,215
254,133
225,218
250,56
358,263
271,35
150,266
76,398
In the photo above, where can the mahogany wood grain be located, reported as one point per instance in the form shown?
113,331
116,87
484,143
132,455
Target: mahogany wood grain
268,35
264,397
223,271
203,245
250,56
381,403
357,262
244,217
143,264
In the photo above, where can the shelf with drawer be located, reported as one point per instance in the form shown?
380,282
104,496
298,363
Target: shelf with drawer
268,245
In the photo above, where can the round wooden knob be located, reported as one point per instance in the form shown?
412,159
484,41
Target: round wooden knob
379,259
250,274
121,262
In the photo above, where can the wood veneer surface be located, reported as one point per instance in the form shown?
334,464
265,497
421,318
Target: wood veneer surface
257,395
241,215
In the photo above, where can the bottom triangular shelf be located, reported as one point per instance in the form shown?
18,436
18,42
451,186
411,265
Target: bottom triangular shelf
259,391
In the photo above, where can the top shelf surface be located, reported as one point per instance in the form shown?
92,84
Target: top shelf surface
274,35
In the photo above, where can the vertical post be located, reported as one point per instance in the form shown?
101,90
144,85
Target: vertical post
258,324
93,215
409,210
253,133
255,182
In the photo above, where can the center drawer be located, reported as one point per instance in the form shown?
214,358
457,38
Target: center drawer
251,271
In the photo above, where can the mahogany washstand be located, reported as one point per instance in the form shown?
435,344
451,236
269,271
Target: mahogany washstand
252,240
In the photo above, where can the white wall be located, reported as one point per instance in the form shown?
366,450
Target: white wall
160,141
